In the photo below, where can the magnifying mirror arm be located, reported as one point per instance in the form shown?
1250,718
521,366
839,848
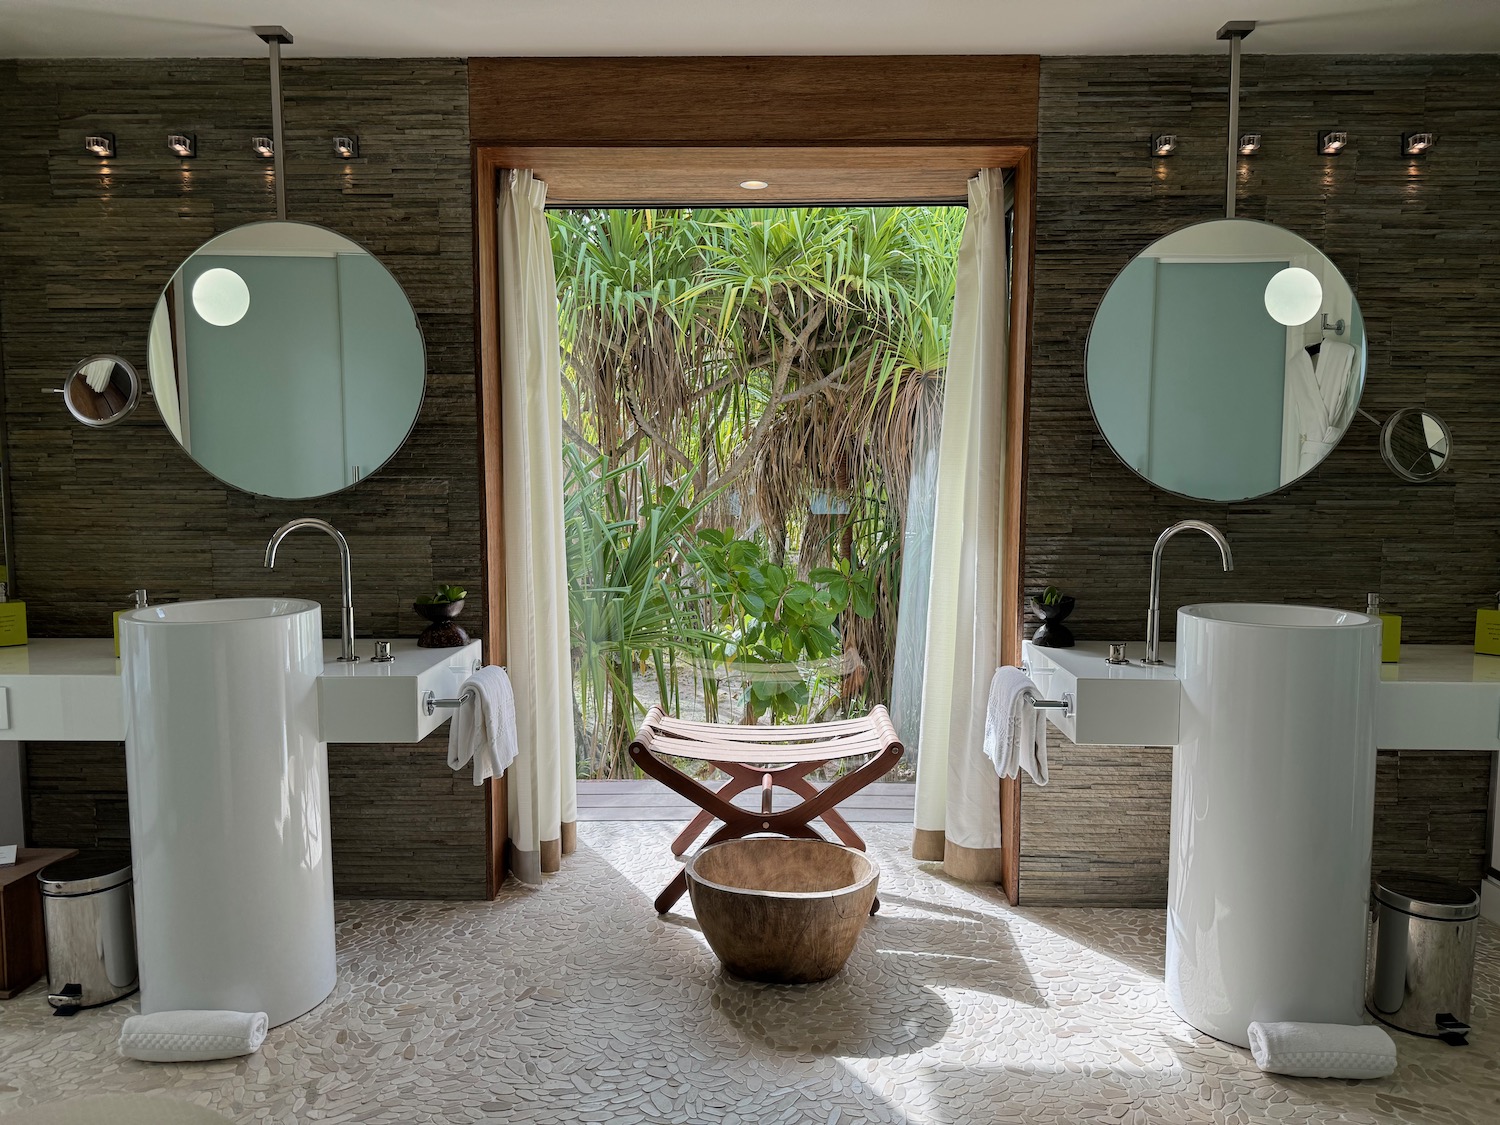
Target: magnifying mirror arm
1153,610
345,572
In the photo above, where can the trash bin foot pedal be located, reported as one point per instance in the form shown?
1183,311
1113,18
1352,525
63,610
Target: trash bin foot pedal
66,1002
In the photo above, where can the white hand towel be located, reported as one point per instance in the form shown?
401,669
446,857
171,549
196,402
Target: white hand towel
192,1036
1015,732
1322,1050
484,728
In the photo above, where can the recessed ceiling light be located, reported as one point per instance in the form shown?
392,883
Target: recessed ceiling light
1163,144
754,185
1249,144
184,145
1332,142
346,147
1415,144
100,144
262,147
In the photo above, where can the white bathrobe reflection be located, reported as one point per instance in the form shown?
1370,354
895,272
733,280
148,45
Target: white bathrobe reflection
1320,401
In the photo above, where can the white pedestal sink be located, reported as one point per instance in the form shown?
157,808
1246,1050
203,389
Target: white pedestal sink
1273,790
229,805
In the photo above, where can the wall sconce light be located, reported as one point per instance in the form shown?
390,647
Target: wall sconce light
1416,144
100,144
1163,144
262,147
184,145
346,148
1332,142
1249,144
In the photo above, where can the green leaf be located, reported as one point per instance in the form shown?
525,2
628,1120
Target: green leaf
776,579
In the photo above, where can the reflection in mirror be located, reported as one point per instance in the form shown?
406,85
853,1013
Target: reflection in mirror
1415,444
102,390
1226,360
286,360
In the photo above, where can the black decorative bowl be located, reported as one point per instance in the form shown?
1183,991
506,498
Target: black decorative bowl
1053,633
444,632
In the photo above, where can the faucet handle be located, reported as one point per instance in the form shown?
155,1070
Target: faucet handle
1117,653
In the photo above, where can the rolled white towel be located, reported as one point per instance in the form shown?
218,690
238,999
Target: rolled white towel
190,1036
1322,1050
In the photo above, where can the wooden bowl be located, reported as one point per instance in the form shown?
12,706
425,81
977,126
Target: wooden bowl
782,911
438,611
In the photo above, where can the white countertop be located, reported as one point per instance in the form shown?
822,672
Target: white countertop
1437,697
70,689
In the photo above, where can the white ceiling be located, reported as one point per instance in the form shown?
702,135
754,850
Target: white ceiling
189,28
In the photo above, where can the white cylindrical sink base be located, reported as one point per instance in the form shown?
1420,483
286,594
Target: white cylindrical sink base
1273,792
229,805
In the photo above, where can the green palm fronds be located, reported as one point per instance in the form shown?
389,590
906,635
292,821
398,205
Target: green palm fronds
764,355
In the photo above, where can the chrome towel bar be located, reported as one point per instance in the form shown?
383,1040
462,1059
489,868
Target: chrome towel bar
1065,704
430,701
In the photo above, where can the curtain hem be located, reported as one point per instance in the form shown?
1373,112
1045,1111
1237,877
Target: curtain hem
526,866
927,844
972,865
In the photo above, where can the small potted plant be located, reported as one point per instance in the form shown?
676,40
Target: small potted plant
440,609
1052,606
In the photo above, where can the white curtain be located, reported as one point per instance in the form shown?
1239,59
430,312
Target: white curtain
542,786
958,793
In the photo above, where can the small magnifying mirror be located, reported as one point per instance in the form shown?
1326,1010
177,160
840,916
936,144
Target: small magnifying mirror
1415,444
102,390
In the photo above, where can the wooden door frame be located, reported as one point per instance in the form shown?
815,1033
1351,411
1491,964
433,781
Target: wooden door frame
521,106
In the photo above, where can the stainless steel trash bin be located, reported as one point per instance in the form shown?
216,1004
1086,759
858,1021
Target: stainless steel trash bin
1421,976
89,913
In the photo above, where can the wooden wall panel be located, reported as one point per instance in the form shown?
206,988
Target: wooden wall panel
872,99
635,176
85,247
1416,240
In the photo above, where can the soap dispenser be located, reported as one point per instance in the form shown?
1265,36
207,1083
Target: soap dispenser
1390,630
140,603
1487,631
12,619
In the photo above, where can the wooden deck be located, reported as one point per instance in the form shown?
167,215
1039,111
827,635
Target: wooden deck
648,800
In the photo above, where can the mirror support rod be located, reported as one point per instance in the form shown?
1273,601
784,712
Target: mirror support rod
1235,31
274,36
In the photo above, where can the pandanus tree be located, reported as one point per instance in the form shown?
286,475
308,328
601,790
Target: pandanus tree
773,368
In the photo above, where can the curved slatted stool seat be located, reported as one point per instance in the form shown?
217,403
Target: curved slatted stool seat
768,757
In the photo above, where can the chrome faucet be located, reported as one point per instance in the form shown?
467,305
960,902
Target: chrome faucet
1153,613
323,525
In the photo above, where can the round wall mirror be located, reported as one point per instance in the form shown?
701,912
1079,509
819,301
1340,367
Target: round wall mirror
102,390
286,360
1415,444
1226,360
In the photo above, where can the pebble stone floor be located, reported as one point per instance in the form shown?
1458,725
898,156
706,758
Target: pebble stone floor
574,1003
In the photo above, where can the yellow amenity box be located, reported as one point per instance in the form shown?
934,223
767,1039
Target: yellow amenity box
12,620
1487,632
1390,630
